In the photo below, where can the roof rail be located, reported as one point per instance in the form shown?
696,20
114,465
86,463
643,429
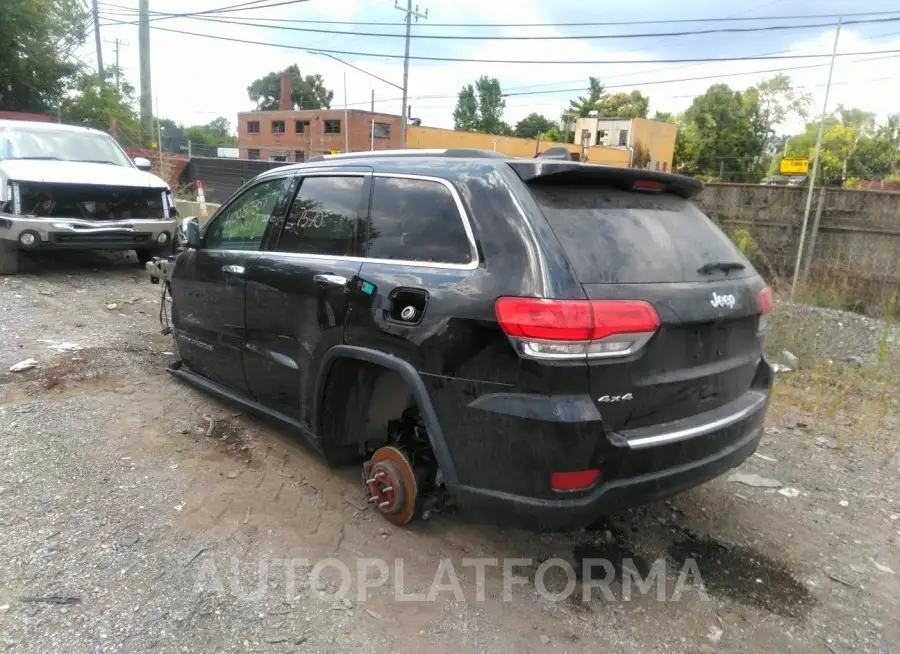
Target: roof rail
457,153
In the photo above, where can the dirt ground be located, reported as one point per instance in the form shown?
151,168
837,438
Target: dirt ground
137,515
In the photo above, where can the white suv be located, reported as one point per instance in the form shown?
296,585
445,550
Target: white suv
74,188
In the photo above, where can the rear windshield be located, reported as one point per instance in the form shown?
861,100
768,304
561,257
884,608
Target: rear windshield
620,237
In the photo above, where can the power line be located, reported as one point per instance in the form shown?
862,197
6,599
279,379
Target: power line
554,37
566,24
668,69
689,79
220,10
618,86
691,95
354,67
532,62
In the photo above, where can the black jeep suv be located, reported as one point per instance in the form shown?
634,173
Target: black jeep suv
536,342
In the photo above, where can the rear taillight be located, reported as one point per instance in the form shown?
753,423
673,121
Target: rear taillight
575,329
766,303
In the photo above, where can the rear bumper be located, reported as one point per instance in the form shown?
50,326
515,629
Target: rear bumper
569,514
636,466
78,234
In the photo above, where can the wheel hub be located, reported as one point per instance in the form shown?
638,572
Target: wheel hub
391,484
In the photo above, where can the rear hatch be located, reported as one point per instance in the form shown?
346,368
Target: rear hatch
627,243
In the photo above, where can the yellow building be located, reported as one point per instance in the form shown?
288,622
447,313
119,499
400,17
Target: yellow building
435,138
650,143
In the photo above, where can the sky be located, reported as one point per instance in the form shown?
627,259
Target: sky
196,79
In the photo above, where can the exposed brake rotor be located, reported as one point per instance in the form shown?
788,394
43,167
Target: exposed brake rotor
391,484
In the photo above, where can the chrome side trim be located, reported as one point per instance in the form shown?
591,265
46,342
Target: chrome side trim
535,244
637,340
467,227
698,430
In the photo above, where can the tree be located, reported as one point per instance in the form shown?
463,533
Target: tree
37,62
624,105
776,100
490,106
837,142
864,124
874,158
97,102
217,133
166,123
479,108
890,131
719,135
465,116
583,105
664,116
307,92
533,125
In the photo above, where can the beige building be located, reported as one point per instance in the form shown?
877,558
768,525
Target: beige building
650,143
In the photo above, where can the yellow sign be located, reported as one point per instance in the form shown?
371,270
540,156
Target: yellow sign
335,150
794,166
153,144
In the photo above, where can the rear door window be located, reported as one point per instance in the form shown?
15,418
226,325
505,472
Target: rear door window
416,220
325,217
621,237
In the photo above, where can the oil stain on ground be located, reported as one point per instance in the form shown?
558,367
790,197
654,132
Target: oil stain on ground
611,545
744,575
740,574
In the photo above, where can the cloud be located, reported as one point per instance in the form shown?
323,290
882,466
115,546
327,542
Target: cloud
196,79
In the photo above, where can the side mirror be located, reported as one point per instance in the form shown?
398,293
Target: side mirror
188,233
143,163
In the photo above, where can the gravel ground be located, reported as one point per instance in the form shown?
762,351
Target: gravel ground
137,515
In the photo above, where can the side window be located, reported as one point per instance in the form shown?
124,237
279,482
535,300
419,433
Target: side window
325,217
243,224
416,220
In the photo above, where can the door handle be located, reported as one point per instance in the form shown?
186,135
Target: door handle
334,280
233,270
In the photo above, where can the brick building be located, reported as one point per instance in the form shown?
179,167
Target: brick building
289,135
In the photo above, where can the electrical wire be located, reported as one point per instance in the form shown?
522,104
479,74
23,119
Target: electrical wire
565,24
554,37
531,62
612,86
220,10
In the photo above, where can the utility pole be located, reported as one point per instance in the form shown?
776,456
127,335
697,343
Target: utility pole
118,44
97,41
815,166
346,123
409,16
373,101
146,91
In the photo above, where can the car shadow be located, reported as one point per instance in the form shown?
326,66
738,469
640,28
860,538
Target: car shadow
78,261
669,536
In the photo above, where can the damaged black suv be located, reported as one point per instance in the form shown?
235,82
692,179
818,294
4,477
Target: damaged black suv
536,342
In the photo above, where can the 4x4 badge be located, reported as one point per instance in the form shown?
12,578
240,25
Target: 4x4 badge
723,300
616,398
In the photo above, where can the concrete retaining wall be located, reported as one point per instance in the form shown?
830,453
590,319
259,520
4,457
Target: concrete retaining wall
857,246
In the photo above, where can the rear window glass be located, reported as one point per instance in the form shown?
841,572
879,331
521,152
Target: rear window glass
614,236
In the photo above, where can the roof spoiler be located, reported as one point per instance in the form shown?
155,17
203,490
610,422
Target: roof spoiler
541,171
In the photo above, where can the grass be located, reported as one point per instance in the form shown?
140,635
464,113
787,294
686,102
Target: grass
886,330
853,405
